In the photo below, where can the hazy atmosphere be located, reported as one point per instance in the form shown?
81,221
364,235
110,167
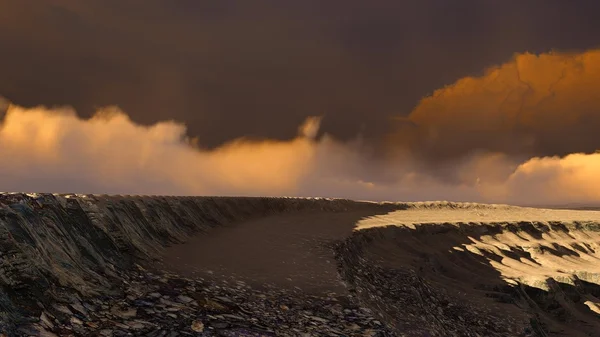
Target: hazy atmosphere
387,100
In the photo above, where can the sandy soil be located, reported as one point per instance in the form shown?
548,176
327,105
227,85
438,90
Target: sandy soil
289,250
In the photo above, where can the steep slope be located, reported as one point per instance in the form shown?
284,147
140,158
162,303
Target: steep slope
474,270
59,247
425,269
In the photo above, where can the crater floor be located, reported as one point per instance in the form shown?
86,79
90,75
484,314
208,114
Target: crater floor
516,271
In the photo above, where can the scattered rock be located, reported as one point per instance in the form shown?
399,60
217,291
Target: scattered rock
197,326
184,307
184,299
45,320
75,320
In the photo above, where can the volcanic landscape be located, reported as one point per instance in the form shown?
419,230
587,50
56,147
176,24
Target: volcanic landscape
94,265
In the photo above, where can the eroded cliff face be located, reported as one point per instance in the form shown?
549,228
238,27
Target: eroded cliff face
506,278
425,269
57,246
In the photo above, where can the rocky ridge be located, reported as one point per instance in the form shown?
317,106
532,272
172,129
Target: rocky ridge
439,279
82,265
68,261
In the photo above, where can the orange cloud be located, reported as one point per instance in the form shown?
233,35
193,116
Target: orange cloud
540,105
54,150
571,179
486,127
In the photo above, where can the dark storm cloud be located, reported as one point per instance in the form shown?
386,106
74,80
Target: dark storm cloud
234,68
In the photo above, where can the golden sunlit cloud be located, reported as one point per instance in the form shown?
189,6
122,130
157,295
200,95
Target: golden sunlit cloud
54,150
535,105
490,130
574,178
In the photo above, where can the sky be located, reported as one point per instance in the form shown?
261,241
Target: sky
466,100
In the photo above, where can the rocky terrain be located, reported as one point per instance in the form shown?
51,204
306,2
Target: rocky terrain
169,305
87,265
479,270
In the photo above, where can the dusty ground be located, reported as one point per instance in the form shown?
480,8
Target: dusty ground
470,251
70,268
287,250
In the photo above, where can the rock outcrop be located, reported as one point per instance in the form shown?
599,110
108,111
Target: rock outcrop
81,265
62,248
489,278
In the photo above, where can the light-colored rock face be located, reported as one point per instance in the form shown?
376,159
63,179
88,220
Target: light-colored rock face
564,252
542,262
424,213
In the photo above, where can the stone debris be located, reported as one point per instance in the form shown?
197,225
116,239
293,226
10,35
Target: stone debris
167,305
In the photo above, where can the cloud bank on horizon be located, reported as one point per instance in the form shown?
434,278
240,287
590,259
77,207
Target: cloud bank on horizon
523,133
